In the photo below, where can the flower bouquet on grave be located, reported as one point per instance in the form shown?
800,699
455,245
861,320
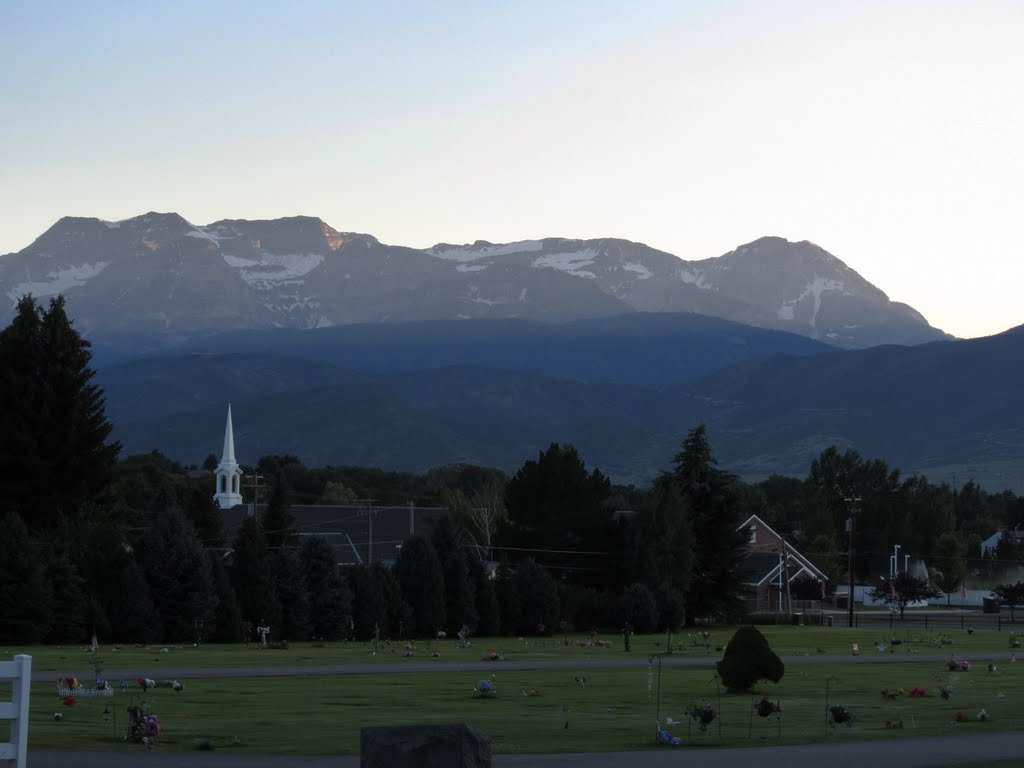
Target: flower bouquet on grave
664,737
143,725
766,708
146,683
485,689
838,714
703,714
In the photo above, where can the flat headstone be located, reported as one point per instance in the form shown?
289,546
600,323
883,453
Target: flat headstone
424,746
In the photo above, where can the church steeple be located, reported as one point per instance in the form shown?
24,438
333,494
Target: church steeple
229,476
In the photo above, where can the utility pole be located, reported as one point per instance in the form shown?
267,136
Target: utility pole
852,501
254,483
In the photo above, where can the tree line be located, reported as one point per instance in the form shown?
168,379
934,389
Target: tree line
133,547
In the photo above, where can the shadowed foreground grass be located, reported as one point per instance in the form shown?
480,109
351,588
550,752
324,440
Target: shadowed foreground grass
614,710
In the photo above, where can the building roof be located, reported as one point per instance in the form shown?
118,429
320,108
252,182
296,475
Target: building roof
359,533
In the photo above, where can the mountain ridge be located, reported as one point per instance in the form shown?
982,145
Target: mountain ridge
169,279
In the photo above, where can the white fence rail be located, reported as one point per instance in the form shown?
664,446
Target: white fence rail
19,673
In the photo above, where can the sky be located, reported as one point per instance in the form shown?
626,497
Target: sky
889,133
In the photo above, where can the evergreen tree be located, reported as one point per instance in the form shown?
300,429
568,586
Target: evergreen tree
25,592
227,619
291,594
662,540
368,609
539,607
448,540
330,601
178,574
510,602
422,583
251,576
54,456
488,609
715,587
278,523
637,607
391,601
133,614
950,563
70,607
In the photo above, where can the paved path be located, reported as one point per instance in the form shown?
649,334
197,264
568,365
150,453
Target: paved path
186,673
900,753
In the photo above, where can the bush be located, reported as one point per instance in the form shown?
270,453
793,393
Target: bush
748,658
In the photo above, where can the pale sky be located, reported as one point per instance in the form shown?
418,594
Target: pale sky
889,133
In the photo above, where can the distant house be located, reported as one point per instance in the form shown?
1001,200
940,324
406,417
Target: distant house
988,546
771,562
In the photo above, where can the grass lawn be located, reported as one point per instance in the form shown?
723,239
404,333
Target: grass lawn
784,640
614,710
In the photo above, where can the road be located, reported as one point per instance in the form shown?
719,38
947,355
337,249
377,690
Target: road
902,753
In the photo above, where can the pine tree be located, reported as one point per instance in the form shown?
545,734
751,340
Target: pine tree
251,576
178,574
227,619
54,456
277,520
291,595
25,592
133,615
715,587
448,539
422,583
330,600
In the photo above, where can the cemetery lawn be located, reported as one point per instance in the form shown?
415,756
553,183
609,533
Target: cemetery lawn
544,710
784,640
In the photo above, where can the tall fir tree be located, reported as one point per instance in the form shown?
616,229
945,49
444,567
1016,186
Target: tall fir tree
715,587
25,591
422,583
54,456
291,594
251,575
227,619
330,600
178,574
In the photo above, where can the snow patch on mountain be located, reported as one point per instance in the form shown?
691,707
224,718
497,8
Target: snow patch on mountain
569,262
58,281
643,272
695,278
474,252
471,268
204,235
274,269
815,288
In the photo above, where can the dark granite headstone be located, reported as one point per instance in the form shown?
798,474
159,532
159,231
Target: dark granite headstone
424,746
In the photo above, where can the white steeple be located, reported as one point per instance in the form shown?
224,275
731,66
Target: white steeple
229,476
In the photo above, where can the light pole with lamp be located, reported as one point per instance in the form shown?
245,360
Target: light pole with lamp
853,501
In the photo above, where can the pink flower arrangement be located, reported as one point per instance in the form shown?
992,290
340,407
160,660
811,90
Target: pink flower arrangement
917,691
146,683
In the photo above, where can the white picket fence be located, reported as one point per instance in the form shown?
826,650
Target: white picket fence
19,673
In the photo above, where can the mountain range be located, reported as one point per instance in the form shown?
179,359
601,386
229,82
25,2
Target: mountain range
153,280
342,350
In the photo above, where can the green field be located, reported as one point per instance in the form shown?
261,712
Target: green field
614,710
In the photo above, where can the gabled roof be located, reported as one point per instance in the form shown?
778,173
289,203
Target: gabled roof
767,563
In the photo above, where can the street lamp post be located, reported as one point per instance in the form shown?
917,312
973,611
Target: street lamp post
853,501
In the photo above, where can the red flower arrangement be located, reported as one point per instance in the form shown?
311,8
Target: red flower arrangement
917,691
69,701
